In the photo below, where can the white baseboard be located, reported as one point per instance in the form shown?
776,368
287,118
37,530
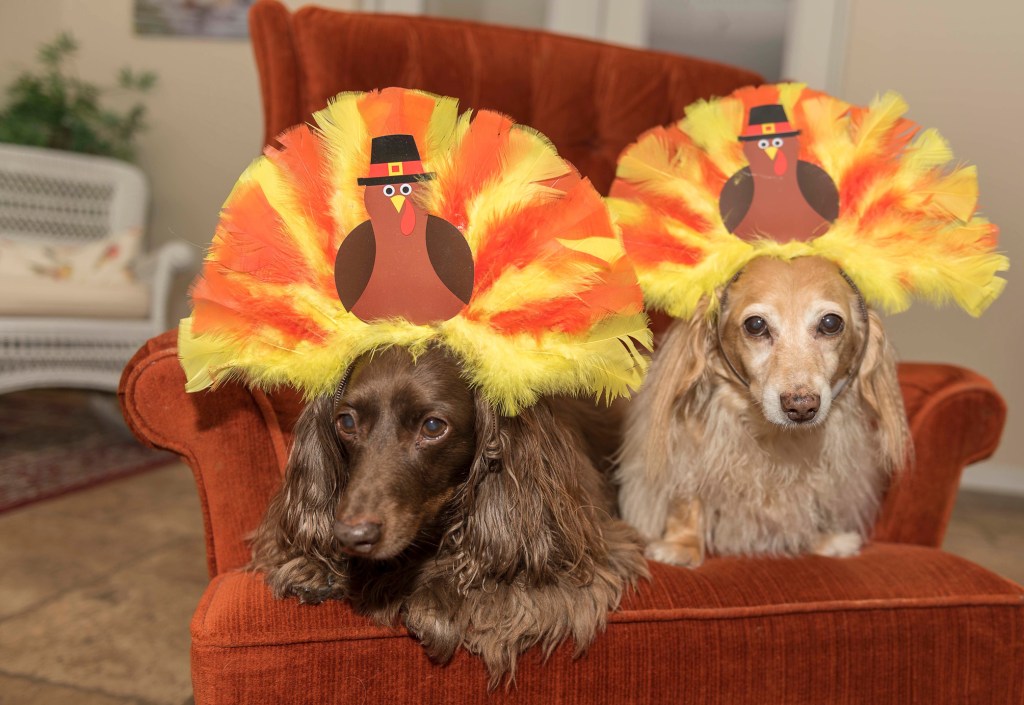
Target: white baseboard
999,478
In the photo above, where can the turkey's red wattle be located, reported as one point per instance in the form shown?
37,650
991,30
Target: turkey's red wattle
781,164
408,218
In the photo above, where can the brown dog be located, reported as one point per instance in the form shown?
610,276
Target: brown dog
409,496
771,429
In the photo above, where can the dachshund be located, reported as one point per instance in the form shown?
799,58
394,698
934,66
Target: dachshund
410,496
771,428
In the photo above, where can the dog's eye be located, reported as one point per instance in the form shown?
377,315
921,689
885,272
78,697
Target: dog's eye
831,324
434,427
346,423
755,326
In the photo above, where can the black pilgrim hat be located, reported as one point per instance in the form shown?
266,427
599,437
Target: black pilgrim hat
767,121
394,159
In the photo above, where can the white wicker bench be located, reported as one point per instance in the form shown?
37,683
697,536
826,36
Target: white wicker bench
57,198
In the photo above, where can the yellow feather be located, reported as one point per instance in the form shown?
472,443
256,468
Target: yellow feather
713,126
789,94
831,147
601,247
883,115
529,159
283,199
345,135
927,150
441,130
536,283
516,370
956,193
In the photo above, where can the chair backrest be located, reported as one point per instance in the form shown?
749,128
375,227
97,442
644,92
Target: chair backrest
590,99
64,198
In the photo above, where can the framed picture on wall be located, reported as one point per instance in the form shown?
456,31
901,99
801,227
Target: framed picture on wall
192,18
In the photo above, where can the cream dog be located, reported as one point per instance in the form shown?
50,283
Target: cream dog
771,428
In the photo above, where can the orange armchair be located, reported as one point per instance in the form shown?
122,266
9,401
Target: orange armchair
902,622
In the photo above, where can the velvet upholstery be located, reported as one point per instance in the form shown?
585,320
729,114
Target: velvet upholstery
878,628
902,622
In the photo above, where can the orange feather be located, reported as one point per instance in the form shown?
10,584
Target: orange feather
301,160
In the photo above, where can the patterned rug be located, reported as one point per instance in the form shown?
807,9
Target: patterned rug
58,441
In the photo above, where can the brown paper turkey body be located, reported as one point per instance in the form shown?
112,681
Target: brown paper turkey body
778,195
402,261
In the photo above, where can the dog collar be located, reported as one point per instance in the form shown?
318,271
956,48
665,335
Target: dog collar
342,386
840,386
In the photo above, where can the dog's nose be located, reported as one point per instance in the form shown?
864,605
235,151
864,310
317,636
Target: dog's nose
359,534
800,407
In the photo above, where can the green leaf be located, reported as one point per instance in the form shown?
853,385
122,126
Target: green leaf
54,108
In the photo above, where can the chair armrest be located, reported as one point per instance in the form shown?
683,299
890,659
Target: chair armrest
956,418
230,437
157,268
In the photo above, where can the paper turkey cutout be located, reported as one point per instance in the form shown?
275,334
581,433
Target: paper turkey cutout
778,196
403,261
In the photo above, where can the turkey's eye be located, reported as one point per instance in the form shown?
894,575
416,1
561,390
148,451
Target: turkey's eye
763,144
830,324
406,189
777,142
389,190
346,423
433,428
755,326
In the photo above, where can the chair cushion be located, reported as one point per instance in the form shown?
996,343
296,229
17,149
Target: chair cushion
91,279
107,260
805,630
34,296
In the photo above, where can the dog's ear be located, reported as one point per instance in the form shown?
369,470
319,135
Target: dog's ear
527,510
880,390
678,380
297,531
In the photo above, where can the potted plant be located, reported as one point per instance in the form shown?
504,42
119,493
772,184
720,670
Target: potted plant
53,108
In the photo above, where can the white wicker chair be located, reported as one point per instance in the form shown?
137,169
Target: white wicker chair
52,197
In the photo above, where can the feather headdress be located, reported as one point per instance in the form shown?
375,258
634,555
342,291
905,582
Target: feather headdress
554,307
874,193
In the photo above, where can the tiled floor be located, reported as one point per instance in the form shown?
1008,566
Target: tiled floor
96,592
97,587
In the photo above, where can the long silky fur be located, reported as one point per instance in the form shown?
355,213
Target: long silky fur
294,545
532,554
535,556
694,432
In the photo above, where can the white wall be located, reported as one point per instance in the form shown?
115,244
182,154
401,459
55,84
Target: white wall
520,13
960,65
747,33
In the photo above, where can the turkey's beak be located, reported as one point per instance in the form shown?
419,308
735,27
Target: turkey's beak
398,202
771,152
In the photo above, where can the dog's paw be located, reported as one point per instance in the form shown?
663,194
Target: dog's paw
312,596
438,636
674,552
314,592
839,545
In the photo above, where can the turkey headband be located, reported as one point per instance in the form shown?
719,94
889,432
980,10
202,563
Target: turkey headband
397,221
785,171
